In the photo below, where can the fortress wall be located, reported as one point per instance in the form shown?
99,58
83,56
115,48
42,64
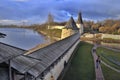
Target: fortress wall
56,71
66,32
57,27
80,26
110,36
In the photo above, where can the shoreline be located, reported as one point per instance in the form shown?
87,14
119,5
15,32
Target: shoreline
45,34
2,35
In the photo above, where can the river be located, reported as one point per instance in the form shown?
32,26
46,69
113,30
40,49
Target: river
22,38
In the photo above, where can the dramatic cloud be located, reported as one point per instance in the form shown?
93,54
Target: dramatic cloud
12,21
20,0
36,11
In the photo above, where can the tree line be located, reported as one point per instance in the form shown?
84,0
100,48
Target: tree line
107,26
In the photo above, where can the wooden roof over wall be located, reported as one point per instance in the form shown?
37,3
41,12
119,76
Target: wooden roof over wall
38,61
8,52
51,53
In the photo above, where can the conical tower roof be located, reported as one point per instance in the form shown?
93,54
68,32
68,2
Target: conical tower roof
71,24
80,21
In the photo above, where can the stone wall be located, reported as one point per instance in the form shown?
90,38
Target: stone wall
81,29
110,36
57,69
88,35
66,33
57,27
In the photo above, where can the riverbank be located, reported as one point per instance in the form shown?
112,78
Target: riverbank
53,34
22,37
37,47
2,35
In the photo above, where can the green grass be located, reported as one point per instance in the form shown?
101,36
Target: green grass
82,65
109,74
108,55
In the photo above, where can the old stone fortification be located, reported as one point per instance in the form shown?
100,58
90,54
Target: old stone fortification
66,32
111,36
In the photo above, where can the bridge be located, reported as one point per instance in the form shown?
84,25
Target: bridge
43,64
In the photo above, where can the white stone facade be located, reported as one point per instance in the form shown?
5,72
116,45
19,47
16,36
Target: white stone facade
81,29
66,33
111,36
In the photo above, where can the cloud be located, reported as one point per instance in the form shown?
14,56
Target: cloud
13,21
36,11
20,0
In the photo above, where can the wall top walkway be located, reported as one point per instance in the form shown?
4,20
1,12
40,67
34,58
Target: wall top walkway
98,71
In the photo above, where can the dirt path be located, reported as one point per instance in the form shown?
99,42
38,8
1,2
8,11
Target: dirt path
98,71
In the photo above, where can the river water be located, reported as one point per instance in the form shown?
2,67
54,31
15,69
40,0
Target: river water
22,38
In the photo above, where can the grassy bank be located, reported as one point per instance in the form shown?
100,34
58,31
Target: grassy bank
110,57
82,65
52,32
109,74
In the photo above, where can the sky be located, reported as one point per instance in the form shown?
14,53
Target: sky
36,11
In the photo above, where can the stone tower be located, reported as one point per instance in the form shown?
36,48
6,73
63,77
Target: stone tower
80,23
71,24
69,29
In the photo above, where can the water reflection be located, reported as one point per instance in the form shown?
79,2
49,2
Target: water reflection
22,38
